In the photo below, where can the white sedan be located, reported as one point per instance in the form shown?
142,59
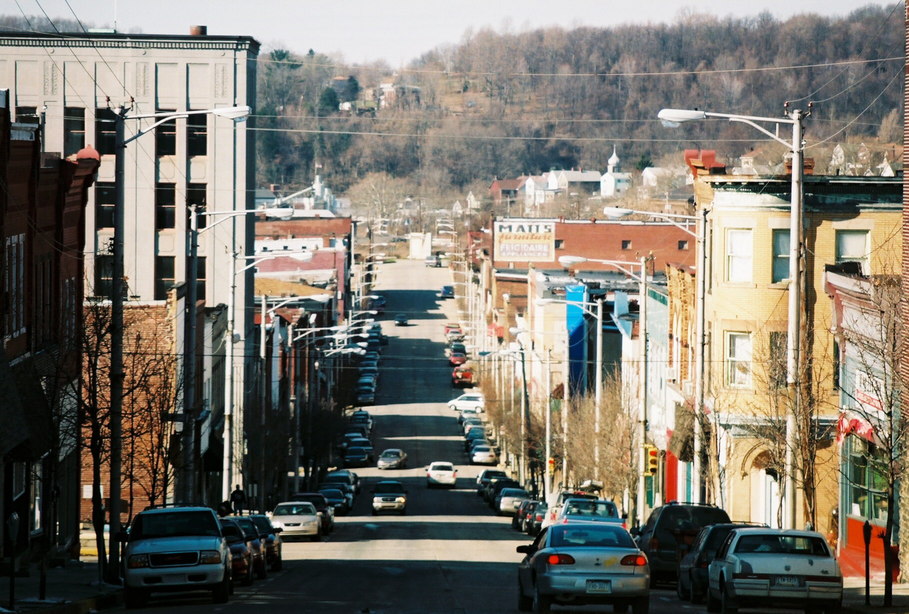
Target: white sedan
297,519
777,568
441,473
483,455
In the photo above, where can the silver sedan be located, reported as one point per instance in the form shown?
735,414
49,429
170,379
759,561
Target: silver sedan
583,564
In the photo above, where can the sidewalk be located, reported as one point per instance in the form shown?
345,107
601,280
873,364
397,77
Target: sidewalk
73,589
854,596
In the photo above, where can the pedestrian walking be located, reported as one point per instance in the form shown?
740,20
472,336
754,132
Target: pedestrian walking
238,500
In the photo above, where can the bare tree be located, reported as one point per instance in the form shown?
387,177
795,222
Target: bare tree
873,343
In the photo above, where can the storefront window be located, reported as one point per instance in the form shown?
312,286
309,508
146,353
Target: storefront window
867,483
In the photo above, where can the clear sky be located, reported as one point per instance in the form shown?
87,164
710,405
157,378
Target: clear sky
394,30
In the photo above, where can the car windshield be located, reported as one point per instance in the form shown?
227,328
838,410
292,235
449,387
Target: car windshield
581,507
294,509
494,474
175,524
391,489
590,535
229,529
481,449
391,454
262,523
441,467
332,493
782,544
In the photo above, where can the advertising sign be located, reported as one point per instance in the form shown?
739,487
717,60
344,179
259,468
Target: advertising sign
524,241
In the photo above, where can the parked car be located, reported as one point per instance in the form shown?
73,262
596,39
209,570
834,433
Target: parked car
483,455
456,347
392,458
486,476
324,508
271,538
534,522
240,552
692,574
775,568
339,502
366,397
492,481
519,520
401,319
356,456
451,327
496,488
344,475
509,499
669,527
175,549
462,377
555,504
447,292
467,414
469,400
589,510
298,519
583,564
389,495
441,473
457,358
344,487
256,545
471,423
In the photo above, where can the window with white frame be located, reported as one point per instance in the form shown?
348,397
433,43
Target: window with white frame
738,360
780,272
852,246
739,255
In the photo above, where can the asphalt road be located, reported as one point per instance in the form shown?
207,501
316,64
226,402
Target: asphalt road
449,554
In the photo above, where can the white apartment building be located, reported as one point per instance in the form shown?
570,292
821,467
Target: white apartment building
71,83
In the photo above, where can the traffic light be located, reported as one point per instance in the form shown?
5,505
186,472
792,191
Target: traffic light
651,460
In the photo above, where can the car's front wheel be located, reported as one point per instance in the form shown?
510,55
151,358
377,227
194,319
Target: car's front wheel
713,604
221,593
728,605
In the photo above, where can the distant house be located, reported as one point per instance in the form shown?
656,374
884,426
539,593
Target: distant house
506,191
536,192
579,181
614,183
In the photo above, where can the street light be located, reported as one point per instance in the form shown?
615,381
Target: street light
794,118
238,113
625,267
700,236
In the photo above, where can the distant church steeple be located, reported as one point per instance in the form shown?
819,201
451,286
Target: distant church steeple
613,162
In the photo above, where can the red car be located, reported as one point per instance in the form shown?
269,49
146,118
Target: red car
452,327
240,552
457,358
462,377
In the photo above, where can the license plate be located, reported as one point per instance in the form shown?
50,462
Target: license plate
787,581
599,586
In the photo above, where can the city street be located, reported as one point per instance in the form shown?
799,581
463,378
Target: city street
449,553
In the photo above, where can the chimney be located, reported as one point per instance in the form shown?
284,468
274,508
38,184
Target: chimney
198,30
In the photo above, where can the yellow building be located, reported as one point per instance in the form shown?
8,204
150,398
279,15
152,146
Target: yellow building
747,401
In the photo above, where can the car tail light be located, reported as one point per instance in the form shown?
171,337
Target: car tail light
560,559
634,560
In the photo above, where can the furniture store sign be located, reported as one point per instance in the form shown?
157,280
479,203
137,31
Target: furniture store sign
525,241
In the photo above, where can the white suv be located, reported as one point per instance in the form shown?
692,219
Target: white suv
175,549
469,400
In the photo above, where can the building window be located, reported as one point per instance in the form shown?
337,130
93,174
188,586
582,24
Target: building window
27,115
852,246
106,131
778,363
166,136
73,130
200,278
196,197
197,135
104,276
44,329
560,243
683,245
164,276
780,248
36,500
105,204
69,314
626,244
866,482
14,286
738,255
738,360
165,205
